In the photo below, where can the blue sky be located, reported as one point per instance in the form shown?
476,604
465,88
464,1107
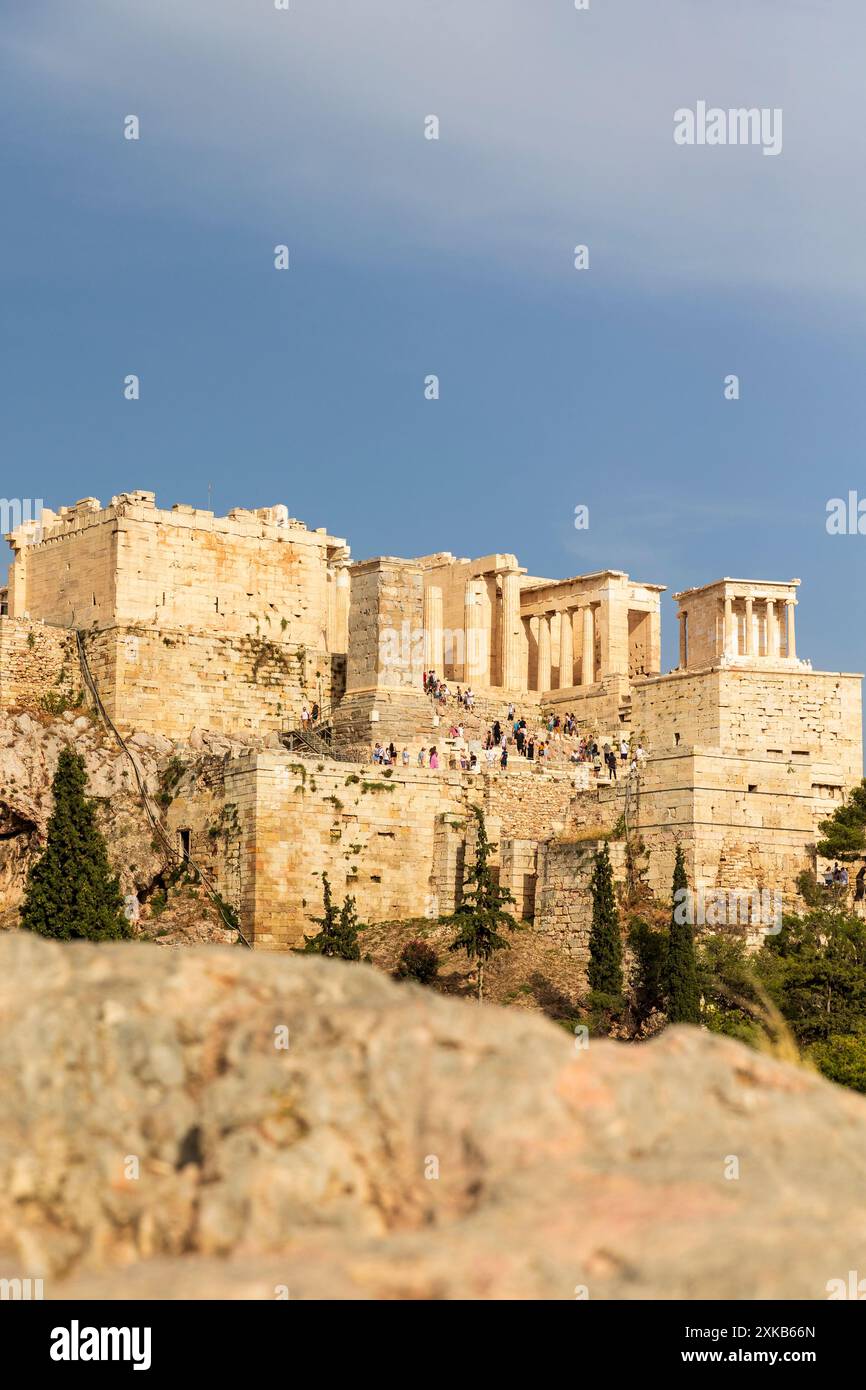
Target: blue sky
453,257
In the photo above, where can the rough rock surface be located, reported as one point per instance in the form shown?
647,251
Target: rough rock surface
156,1141
30,745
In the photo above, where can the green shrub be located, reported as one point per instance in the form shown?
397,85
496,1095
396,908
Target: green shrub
418,961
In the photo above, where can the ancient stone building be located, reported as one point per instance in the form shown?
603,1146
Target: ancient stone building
574,643
749,747
191,620
231,624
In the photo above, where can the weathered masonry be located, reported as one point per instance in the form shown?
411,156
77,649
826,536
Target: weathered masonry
193,622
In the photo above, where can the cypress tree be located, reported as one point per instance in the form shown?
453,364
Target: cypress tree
483,909
338,937
71,891
605,942
682,982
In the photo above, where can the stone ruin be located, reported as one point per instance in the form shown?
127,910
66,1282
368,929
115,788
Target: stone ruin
232,625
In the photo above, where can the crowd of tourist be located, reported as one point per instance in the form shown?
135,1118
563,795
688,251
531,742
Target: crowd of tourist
541,744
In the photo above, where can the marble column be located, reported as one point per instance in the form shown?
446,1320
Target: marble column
683,617
525,644
790,605
728,632
434,636
510,649
772,629
587,672
566,650
470,656
749,642
544,651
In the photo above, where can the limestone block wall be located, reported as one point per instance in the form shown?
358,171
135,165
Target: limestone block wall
526,805
793,713
374,835
397,839
172,681
364,717
240,576
386,626
216,804
38,664
246,574
743,822
518,873
563,901
449,861
798,714
195,620
680,709
70,578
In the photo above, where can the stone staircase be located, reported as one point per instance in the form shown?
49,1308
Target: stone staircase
317,738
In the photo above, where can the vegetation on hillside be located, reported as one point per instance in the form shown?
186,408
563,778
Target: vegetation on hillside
71,892
844,833
338,929
483,909
683,1001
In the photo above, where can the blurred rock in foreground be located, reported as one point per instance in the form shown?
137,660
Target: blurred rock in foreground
311,1168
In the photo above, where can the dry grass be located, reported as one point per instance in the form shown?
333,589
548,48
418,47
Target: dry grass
532,974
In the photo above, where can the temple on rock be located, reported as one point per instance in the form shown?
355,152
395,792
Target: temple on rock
190,623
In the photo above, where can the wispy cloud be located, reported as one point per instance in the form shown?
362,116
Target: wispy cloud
556,127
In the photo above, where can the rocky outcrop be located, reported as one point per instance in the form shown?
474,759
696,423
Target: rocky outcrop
215,1123
29,748
30,744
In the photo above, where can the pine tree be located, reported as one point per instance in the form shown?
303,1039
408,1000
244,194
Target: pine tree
482,911
605,942
338,937
71,891
682,982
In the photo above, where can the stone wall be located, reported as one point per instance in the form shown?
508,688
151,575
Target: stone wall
743,823
69,579
200,621
405,716
395,838
743,764
526,804
794,713
173,681
563,900
38,666
518,872
386,626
